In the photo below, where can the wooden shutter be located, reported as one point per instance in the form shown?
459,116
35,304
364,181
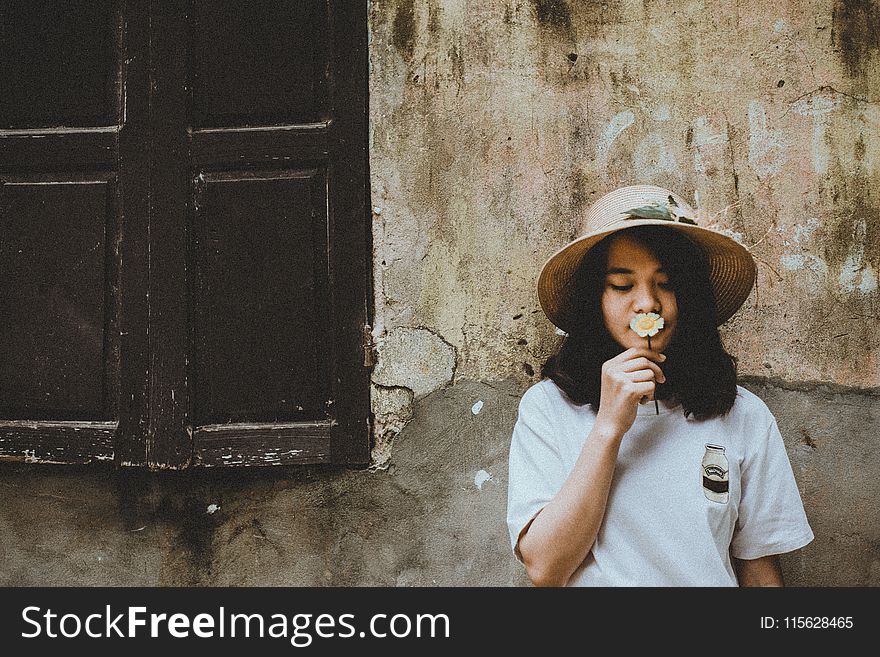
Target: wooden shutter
204,224
72,358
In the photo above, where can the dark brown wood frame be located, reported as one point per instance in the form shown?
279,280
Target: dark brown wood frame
153,198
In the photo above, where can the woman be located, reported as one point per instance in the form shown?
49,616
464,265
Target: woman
632,465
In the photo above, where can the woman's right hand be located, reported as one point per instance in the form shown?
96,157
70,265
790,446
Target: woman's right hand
627,378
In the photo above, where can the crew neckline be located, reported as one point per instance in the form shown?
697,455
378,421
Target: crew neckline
665,406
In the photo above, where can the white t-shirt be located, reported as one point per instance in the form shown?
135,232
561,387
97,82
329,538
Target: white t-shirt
685,495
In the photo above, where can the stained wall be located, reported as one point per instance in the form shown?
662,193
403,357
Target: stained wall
493,125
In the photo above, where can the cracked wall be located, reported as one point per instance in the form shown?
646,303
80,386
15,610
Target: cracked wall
434,516
494,124
411,362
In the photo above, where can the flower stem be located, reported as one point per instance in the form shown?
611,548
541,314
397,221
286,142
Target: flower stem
656,406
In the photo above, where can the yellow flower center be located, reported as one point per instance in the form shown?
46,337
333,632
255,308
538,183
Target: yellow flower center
645,323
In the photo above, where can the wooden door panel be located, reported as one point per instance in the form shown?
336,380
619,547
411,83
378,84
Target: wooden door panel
53,286
256,63
49,150
229,148
59,63
278,371
60,230
260,298
159,322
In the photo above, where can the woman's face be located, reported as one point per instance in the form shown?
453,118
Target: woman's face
635,282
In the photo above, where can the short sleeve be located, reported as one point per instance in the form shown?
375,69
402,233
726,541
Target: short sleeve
536,471
771,514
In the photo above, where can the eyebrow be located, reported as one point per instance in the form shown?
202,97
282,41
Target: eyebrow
624,270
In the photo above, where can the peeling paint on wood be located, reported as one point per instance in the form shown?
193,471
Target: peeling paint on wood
262,444
57,442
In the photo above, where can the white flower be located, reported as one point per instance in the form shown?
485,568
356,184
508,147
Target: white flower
646,324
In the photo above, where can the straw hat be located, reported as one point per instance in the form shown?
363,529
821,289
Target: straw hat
732,269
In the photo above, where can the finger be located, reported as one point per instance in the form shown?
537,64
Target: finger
644,389
623,356
655,356
640,376
642,352
636,363
641,364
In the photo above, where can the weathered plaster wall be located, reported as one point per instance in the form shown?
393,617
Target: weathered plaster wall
494,124
433,516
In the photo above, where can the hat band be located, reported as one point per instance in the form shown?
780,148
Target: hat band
669,211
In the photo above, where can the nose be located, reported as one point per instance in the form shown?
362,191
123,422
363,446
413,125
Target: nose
646,300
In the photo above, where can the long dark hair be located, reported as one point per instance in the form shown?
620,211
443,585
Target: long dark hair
699,372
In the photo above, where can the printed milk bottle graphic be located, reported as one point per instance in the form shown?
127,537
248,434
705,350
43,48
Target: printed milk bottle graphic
715,476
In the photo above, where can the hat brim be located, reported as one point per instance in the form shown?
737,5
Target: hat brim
732,269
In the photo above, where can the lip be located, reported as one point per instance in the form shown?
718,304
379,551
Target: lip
658,342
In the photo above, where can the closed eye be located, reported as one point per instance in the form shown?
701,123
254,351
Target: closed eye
624,288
